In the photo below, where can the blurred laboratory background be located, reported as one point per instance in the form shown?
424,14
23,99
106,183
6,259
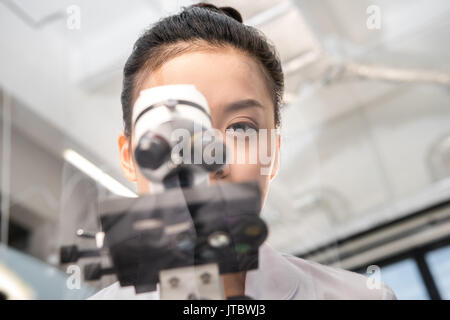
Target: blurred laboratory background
364,182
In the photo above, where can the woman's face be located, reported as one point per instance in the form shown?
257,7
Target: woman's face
238,97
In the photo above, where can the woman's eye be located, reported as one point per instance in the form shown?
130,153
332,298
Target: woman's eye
241,127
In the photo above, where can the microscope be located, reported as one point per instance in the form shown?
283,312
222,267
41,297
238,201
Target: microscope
185,233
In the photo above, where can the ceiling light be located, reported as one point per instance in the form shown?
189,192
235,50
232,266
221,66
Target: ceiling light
97,174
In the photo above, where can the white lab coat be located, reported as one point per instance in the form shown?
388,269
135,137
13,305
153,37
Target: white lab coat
285,277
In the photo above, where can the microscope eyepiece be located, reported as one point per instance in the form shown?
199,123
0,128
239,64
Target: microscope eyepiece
152,151
170,126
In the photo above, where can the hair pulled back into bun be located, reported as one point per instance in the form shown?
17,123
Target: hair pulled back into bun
229,11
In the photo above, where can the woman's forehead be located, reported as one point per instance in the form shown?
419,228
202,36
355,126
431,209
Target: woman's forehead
224,76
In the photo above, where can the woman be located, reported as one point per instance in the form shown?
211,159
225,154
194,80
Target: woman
240,75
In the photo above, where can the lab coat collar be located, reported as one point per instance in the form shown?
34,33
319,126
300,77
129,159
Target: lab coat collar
275,279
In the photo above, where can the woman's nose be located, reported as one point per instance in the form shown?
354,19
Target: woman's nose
220,174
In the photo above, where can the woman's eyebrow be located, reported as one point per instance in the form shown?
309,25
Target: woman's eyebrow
242,104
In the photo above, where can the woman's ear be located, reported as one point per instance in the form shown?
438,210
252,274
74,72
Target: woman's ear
126,159
276,164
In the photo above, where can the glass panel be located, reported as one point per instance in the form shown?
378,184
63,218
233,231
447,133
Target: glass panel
405,280
439,264
367,124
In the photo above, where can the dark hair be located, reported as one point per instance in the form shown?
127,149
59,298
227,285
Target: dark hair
194,27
